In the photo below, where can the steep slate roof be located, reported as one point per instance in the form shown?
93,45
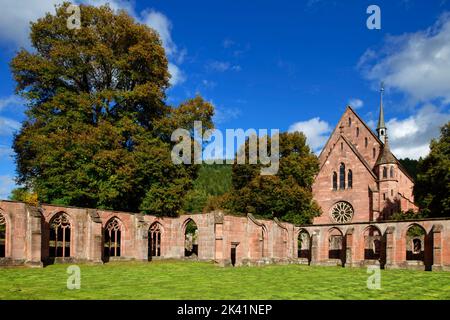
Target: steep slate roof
386,155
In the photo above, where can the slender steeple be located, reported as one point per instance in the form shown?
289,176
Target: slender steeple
381,127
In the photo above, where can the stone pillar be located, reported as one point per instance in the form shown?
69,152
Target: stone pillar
95,237
315,247
391,262
34,237
437,246
140,238
349,247
218,231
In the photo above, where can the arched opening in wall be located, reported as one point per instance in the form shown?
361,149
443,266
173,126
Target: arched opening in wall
334,180
350,179
59,240
384,172
304,245
2,236
112,239
391,172
264,240
190,239
415,243
342,176
372,243
154,240
336,245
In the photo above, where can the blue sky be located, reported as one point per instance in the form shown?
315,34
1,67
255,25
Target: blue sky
290,65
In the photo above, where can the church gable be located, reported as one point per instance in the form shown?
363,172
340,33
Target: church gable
345,176
355,130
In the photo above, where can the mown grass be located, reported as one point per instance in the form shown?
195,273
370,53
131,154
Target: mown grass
201,280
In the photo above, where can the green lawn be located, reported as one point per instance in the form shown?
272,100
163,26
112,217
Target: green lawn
200,280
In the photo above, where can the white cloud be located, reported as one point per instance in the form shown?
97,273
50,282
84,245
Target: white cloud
222,115
222,66
177,76
9,101
411,137
6,185
355,103
163,26
417,63
16,17
5,151
8,126
316,131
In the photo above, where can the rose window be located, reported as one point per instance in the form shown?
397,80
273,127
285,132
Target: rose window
342,212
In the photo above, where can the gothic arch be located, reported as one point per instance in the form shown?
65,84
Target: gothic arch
4,235
334,181
60,235
373,243
112,238
304,244
264,241
416,242
191,238
336,244
155,232
342,176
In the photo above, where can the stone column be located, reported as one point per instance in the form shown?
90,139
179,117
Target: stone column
140,238
218,231
437,246
349,247
95,237
34,237
391,262
315,247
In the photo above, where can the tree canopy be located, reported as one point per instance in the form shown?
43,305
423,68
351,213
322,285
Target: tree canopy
432,188
286,195
97,131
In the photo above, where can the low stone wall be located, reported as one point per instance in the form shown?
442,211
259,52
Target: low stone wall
227,240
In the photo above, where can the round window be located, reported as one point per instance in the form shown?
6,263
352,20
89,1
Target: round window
342,212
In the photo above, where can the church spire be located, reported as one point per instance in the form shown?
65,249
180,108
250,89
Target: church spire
381,127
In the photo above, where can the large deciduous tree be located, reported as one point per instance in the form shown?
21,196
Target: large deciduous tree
98,129
432,188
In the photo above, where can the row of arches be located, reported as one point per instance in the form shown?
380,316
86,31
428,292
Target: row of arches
342,175
60,238
2,236
374,244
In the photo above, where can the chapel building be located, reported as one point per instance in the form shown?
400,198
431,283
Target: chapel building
360,180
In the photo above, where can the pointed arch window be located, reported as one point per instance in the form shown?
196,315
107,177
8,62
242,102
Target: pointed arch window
391,172
334,180
384,172
366,142
2,236
349,122
357,131
59,236
350,179
373,153
113,235
154,240
342,176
